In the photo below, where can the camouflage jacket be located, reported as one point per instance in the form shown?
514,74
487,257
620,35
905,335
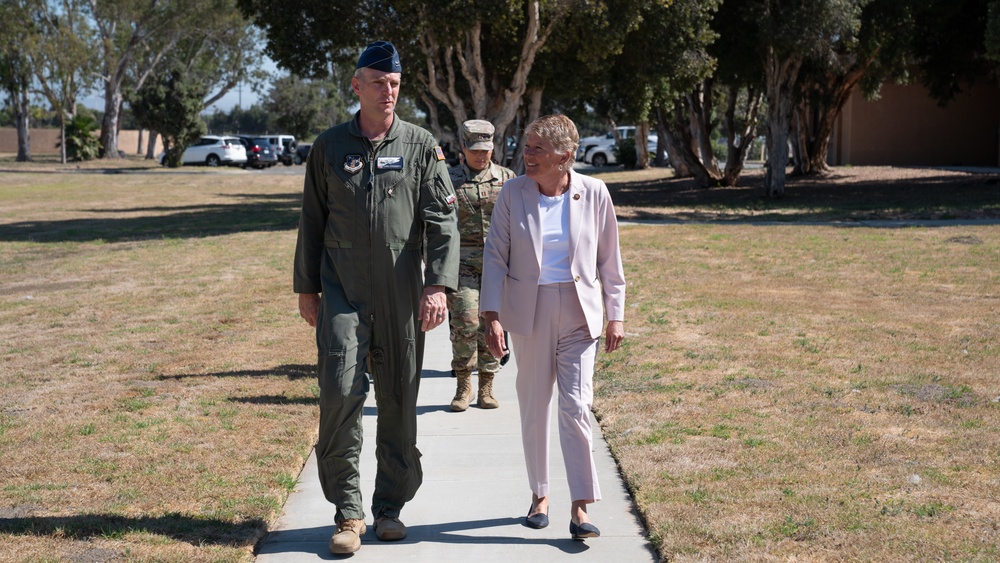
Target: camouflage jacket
476,196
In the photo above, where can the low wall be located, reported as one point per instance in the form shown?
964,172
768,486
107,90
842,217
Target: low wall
46,141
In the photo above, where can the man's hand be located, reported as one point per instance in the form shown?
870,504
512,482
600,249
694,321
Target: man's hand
614,335
309,307
433,307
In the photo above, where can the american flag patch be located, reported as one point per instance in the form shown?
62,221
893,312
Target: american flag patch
451,199
439,153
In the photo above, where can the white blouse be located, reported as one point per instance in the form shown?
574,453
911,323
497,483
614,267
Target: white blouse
555,239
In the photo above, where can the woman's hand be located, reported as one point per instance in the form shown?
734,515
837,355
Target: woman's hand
614,335
494,334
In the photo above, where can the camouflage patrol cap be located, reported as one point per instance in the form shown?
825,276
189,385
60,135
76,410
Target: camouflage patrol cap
477,135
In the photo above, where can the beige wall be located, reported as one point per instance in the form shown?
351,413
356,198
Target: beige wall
45,141
905,127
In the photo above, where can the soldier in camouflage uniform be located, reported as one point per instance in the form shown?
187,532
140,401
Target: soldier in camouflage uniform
477,183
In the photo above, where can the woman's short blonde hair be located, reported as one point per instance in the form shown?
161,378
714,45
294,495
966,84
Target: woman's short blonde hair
558,130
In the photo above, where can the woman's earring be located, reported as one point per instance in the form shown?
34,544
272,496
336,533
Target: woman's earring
560,167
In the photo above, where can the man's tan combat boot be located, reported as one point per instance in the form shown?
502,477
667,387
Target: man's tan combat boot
347,538
463,395
486,400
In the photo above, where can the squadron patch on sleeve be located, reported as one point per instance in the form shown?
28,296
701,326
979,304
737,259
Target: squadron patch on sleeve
353,163
451,199
439,153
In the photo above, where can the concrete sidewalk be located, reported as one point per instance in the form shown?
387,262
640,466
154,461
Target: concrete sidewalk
475,493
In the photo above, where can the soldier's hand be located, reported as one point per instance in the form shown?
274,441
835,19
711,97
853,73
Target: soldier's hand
309,307
433,307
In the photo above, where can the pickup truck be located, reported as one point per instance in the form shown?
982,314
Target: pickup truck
598,150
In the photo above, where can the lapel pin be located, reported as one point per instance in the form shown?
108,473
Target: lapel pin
576,196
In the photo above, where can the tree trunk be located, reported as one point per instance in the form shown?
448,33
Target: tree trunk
670,143
22,113
700,104
684,148
138,145
781,77
62,137
534,111
151,146
740,135
641,140
109,123
825,107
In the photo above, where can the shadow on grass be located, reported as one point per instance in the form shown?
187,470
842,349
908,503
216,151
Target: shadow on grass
190,529
275,400
838,196
291,371
247,213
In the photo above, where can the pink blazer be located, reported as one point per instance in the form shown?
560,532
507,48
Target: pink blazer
513,253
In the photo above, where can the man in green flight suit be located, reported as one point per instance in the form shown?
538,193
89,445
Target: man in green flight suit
376,202
477,183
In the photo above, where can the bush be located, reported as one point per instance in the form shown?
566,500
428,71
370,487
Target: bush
626,154
81,144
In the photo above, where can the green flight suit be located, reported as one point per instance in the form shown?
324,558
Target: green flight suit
367,212
477,193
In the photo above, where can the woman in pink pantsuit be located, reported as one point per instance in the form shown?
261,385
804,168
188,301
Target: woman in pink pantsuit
552,270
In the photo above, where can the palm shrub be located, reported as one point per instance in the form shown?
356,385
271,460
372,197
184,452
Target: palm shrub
626,154
81,144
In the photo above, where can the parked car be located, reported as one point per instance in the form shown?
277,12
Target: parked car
213,150
301,153
599,150
260,152
284,146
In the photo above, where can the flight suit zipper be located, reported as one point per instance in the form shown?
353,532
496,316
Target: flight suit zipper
370,202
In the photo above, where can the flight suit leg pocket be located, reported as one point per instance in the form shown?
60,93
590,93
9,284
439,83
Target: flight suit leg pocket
392,371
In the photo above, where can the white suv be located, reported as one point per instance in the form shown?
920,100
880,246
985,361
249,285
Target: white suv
212,150
284,145
599,150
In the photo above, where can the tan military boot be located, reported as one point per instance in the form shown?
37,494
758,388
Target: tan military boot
463,395
486,400
347,538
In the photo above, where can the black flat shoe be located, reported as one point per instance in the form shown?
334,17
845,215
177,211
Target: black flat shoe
583,531
536,521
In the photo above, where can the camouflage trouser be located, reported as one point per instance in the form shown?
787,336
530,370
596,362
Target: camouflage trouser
468,335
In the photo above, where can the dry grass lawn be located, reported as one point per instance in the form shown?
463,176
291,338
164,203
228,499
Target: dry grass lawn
789,390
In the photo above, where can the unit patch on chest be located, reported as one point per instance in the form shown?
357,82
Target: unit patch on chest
353,163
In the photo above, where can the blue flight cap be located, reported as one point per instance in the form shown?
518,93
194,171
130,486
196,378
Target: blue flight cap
380,55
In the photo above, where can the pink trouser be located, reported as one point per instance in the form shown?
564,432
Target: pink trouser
559,354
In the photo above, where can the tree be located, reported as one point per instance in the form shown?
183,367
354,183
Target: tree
172,106
58,46
790,32
663,61
868,52
470,59
78,141
305,107
740,75
15,71
952,46
204,37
